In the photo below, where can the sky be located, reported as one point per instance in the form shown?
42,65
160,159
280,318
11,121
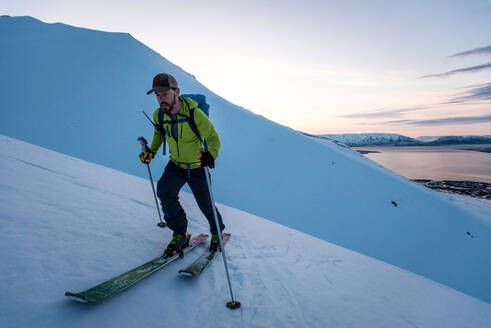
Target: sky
409,67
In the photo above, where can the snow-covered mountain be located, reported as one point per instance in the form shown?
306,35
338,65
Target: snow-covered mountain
454,140
70,224
89,90
373,139
388,139
427,138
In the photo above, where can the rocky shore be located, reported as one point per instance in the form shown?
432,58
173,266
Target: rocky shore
482,150
470,188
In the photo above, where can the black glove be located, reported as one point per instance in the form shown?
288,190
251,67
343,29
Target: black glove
147,156
206,159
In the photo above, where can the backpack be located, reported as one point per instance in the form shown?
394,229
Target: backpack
202,104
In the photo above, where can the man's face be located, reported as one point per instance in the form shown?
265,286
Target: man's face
167,99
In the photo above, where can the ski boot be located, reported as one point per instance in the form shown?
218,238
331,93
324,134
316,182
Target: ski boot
215,243
177,244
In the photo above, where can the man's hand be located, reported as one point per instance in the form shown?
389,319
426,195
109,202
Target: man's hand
147,156
205,158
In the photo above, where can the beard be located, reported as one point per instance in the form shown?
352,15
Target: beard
168,107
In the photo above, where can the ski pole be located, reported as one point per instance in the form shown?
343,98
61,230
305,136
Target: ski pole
143,143
233,304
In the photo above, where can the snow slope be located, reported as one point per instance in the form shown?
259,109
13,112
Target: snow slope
89,92
69,224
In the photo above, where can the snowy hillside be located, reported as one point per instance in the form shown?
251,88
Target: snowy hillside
90,90
70,224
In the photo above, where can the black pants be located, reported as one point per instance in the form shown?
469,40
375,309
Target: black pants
168,187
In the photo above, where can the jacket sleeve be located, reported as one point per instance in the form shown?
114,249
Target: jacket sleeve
157,137
208,132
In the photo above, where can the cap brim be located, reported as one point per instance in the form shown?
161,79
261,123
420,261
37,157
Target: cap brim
160,89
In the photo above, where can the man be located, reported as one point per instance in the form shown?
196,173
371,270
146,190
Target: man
173,122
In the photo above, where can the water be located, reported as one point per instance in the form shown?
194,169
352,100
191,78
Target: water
456,163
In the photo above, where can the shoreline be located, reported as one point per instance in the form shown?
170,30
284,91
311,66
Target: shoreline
474,189
482,150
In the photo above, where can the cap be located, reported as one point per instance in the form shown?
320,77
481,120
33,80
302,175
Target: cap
163,82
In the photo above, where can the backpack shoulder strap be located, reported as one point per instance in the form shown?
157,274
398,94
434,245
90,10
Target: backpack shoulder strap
160,126
193,126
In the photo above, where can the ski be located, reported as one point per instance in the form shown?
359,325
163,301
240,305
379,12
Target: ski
202,262
117,284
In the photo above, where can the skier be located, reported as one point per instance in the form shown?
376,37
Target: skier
188,132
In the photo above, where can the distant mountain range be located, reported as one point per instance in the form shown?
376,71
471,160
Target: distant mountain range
388,139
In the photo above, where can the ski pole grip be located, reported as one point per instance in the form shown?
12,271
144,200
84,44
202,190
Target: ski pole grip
143,143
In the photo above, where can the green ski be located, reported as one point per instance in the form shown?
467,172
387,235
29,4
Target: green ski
118,284
202,262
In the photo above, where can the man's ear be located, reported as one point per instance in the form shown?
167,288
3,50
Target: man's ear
178,91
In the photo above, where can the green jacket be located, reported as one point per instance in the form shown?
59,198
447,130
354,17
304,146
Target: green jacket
184,150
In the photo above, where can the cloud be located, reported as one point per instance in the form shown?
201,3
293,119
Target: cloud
461,70
477,51
477,92
383,113
442,121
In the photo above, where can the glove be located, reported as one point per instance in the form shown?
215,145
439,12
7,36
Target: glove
206,159
147,156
